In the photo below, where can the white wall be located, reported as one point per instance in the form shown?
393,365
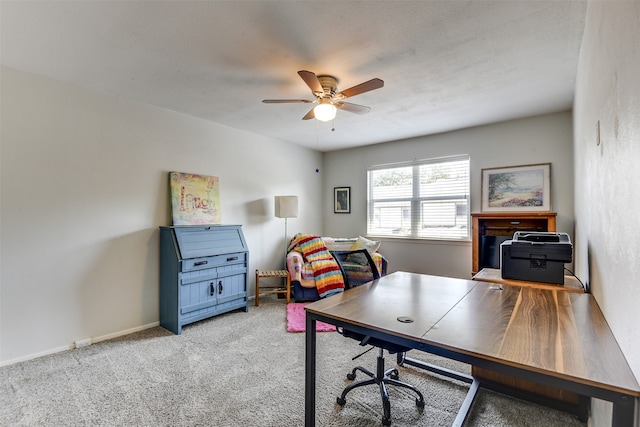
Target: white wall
84,181
607,174
542,139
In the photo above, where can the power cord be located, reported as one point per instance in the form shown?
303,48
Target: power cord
578,279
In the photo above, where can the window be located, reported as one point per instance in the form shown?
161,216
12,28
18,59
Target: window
424,199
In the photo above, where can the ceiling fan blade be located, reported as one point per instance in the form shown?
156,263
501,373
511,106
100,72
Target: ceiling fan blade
312,81
284,101
309,115
361,88
352,108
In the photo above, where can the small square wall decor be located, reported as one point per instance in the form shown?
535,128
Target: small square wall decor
195,199
342,200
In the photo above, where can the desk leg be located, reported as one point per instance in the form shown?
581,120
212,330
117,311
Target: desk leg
623,411
310,372
467,404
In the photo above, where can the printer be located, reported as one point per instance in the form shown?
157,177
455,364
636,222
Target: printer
536,256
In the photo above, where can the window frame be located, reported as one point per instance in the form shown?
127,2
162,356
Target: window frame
416,213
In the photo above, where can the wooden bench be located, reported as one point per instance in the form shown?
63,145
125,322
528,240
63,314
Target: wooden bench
284,288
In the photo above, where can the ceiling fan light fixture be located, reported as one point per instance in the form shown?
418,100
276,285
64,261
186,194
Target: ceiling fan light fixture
325,90
325,111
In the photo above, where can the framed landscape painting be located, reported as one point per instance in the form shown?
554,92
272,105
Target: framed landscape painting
524,188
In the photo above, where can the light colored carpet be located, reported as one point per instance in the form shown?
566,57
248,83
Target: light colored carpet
237,369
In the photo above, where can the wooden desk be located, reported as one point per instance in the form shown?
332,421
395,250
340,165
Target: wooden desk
551,396
571,283
554,338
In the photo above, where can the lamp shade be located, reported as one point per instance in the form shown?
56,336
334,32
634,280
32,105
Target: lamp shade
286,206
325,111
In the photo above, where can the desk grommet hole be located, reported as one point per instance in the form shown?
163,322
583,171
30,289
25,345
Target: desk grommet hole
405,319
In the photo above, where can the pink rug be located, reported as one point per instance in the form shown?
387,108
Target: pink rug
296,319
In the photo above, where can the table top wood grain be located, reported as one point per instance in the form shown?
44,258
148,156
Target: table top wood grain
553,332
379,304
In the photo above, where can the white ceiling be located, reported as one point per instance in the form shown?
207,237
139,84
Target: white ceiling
446,64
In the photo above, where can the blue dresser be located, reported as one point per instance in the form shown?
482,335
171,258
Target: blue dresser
203,273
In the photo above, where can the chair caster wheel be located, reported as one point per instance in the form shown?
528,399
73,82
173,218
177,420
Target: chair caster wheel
340,401
393,374
420,403
386,421
351,376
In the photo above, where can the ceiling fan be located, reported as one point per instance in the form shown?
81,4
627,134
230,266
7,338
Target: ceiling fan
325,89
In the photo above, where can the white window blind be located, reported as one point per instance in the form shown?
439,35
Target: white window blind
424,199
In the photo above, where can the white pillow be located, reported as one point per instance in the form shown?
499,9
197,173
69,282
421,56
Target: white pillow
334,244
363,243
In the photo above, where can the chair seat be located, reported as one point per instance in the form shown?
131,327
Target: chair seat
374,342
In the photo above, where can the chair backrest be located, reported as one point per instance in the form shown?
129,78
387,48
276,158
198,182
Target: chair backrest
357,267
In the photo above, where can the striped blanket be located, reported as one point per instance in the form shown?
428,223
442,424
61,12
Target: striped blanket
326,272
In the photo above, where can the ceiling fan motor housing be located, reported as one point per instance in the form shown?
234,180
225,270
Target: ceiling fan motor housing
329,84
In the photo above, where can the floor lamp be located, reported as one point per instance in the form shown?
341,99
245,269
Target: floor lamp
286,207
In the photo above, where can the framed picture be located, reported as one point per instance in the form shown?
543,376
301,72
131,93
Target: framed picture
342,200
524,188
195,199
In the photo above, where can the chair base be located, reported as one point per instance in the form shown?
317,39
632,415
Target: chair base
382,378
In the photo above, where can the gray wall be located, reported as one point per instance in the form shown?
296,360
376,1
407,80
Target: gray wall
607,171
84,188
542,139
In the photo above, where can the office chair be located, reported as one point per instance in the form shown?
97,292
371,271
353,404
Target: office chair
358,268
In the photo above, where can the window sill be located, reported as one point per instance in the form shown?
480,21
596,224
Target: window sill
410,240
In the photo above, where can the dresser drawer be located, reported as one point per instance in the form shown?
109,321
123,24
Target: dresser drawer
193,276
506,227
213,261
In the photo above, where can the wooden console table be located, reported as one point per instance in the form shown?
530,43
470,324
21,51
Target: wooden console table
493,275
504,224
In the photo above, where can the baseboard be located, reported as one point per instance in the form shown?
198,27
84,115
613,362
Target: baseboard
37,355
72,345
125,332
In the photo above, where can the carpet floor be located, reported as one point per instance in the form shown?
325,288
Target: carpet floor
237,369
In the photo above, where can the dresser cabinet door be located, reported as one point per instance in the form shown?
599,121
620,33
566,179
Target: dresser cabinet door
230,289
198,293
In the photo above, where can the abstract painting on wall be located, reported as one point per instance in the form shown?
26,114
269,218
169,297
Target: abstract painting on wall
195,199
